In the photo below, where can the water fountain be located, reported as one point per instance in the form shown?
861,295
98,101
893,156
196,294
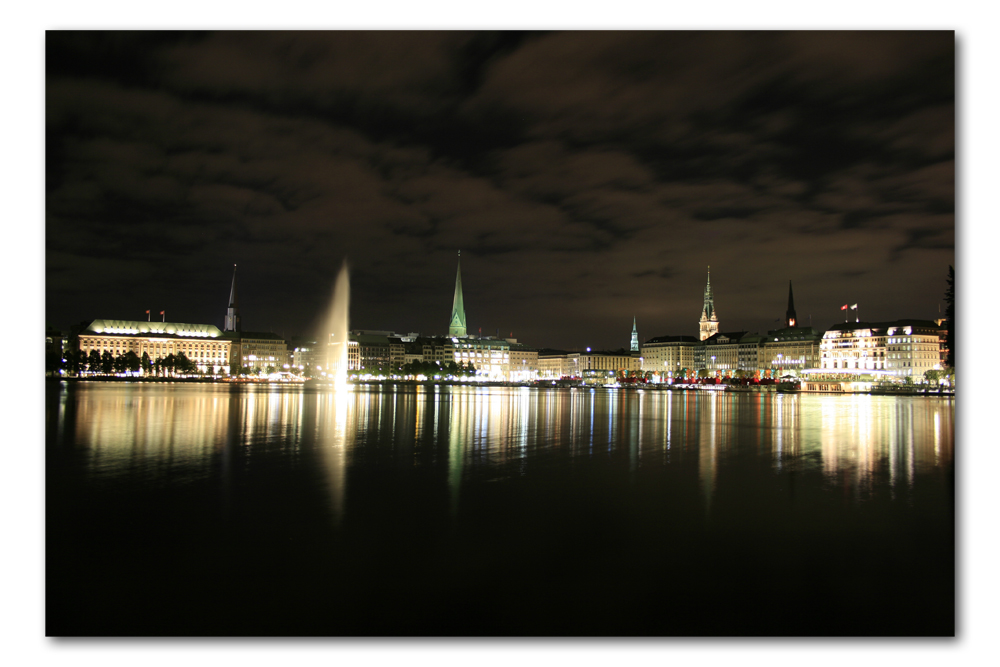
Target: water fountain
334,331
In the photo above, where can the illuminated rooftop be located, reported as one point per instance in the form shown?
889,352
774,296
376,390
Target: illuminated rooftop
141,328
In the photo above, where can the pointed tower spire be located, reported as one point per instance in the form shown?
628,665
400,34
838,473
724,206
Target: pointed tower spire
233,312
709,324
457,328
790,313
635,336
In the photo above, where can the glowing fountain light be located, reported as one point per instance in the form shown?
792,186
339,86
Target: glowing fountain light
335,330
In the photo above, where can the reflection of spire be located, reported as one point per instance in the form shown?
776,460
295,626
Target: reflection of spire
457,327
790,313
635,336
233,312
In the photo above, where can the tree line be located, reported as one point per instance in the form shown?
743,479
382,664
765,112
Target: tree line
76,362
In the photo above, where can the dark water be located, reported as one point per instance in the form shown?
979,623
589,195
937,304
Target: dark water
219,510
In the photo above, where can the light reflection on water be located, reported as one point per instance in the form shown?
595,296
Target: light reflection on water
168,433
495,510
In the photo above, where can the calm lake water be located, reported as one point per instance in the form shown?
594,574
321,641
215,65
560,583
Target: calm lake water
180,509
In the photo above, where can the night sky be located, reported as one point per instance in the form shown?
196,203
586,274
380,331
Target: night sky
587,177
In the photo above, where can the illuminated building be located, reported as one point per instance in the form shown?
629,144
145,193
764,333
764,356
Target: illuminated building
728,352
372,351
203,344
603,365
305,356
258,350
255,350
901,348
708,325
491,356
791,349
523,362
943,335
668,355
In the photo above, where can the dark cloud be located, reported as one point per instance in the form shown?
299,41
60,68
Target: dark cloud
587,177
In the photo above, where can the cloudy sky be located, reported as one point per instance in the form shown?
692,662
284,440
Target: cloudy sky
587,177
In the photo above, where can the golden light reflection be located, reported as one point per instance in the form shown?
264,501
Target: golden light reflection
859,443
707,455
334,428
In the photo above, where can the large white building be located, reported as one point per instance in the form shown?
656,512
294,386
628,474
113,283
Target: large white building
901,348
203,344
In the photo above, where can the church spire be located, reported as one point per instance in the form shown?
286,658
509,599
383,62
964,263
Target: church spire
790,313
709,323
635,337
233,312
457,328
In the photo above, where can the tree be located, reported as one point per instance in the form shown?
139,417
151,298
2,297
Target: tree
184,365
94,361
107,362
132,362
146,364
949,298
73,359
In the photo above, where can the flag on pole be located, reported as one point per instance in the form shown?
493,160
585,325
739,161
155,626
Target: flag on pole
844,307
854,307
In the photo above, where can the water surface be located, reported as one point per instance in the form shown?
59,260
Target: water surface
231,510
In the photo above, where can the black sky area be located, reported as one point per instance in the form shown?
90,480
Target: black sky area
587,177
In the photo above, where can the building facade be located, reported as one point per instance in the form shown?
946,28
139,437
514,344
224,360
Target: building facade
791,349
523,362
668,356
203,344
903,348
258,351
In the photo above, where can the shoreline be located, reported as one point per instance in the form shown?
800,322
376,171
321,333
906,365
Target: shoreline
545,384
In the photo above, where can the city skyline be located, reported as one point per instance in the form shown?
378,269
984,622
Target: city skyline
587,178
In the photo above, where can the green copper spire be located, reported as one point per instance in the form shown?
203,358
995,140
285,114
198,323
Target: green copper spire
457,327
635,337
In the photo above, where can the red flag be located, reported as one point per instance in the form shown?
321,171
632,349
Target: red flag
147,312
844,307
163,312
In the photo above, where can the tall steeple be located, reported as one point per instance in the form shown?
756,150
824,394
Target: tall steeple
457,327
709,324
635,337
790,313
233,312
